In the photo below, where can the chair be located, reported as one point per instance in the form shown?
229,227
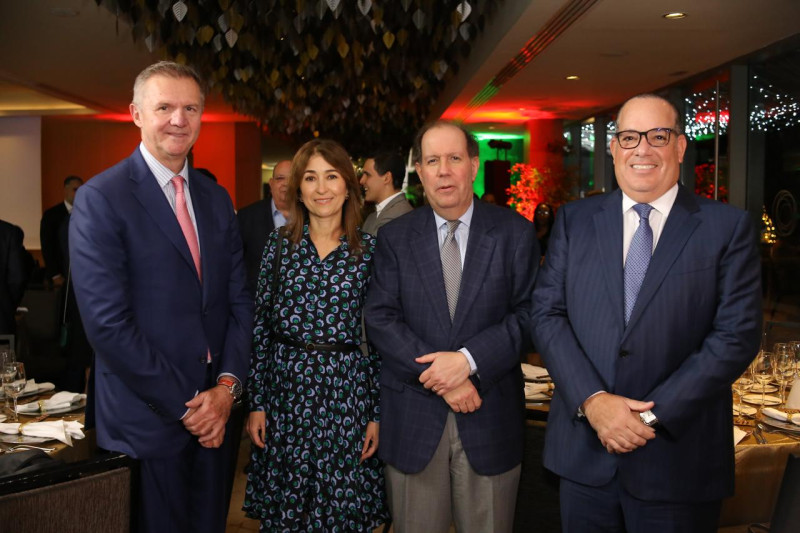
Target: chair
87,497
40,330
786,517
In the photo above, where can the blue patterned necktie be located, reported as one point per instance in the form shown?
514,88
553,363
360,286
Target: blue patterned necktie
639,253
451,266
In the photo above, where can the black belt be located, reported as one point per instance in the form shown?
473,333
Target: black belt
316,346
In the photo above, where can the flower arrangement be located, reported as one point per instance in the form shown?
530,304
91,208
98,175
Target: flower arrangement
704,182
531,186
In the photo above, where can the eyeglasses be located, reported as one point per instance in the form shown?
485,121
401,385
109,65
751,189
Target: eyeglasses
657,137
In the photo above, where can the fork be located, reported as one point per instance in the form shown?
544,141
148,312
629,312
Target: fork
18,447
767,429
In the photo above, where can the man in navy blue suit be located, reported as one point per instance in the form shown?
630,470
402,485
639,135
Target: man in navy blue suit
448,309
647,309
160,283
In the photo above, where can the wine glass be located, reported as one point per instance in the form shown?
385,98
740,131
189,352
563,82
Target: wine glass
740,386
6,357
784,365
796,347
14,383
763,370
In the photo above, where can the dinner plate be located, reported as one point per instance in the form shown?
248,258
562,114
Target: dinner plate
755,399
23,395
23,439
73,407
535,374
756,387
746,410
785,426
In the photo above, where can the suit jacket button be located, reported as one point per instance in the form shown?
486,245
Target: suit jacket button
624,353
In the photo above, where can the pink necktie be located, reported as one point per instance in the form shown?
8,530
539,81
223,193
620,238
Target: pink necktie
186,223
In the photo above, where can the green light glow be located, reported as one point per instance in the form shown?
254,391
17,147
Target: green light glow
499,136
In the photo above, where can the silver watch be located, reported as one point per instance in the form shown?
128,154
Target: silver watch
233,386
648,418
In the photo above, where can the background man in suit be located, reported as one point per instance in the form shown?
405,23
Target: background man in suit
50,230
14,273
159,278
258,219
450,341
382,180
643,349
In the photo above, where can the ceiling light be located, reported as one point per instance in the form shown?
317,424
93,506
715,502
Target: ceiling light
674,16
572,77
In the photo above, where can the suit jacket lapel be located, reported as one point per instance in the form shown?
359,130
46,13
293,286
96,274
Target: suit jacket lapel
480,248
679,227
201,203
153,201
429,266
608,231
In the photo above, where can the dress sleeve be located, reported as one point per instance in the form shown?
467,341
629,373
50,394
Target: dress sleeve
258,376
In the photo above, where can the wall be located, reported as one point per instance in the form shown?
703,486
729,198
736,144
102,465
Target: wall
20,178
546,144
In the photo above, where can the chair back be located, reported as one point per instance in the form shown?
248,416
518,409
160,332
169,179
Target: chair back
786,517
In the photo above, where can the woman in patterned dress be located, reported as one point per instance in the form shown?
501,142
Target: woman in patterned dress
312,393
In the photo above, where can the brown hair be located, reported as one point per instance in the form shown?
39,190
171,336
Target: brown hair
416,149
333,153
169,69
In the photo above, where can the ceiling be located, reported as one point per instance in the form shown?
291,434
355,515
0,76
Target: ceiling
71,56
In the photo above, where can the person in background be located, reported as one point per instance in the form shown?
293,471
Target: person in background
55,263
382,181
448,310
312,394
159,277
543,218
258,219
15,271
647,308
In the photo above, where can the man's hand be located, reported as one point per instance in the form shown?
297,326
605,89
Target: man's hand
464,398
257,427
208,413
448,370
617,423
370,441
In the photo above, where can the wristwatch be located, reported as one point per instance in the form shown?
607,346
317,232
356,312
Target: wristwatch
648,418
233,386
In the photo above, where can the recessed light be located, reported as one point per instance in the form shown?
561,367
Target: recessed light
675,16
572,77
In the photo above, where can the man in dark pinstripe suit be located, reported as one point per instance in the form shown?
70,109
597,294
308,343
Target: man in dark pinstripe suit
451,387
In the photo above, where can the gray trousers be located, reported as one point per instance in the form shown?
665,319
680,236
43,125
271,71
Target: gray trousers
449,490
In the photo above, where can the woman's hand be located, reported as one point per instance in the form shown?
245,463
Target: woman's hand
370,441
257,427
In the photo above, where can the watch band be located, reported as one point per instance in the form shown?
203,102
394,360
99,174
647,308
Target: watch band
233,386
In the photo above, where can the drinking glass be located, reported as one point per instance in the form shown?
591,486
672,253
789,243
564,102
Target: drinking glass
764,370
740,387
14,383
796,347
6,357
784,366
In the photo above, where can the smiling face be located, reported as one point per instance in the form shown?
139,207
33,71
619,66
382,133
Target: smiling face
168,112
446,171
322,189
645,173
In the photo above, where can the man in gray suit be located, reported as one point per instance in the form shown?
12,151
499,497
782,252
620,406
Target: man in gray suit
382,180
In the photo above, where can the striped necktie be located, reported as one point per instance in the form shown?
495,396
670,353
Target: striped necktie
451,266
638,258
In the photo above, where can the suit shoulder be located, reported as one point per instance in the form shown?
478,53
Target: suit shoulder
254,209
111,177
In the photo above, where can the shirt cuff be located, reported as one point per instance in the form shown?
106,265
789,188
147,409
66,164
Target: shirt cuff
581,414
473,368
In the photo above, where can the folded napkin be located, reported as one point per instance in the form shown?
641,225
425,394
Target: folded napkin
59,400
32,386
537,391
534,372
56,429
738,435
780,415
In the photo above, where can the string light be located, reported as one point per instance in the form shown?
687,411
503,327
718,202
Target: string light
768,235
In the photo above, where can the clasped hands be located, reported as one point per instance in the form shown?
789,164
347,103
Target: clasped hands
448,377
208,413
617,423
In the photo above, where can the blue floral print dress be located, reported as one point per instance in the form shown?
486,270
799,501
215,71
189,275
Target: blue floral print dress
317,403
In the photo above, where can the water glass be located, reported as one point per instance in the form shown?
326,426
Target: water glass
763,370
784,365
14,383
6,357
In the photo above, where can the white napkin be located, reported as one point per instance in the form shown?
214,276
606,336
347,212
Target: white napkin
56,429
793,401
32,386
738,435
780,415
536,391
534,372
59,400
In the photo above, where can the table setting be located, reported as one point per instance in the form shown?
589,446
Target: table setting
538,384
